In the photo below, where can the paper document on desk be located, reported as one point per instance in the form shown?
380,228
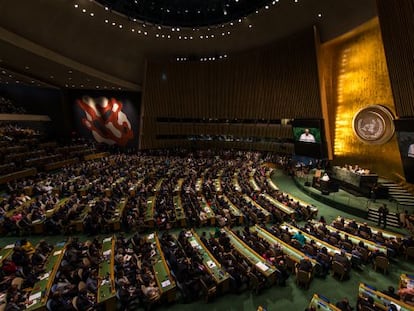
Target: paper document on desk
107,253
151,236
35,296
211,264
194,244
45,276
166,283
262,266
107,240
57,253
9,246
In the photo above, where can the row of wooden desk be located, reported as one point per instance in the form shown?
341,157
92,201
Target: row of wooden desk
295,254
331,249
372,246
257,261
381,300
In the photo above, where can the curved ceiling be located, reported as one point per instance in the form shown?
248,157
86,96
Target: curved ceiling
82,44
185,13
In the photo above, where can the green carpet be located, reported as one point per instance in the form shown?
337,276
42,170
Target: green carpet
290,297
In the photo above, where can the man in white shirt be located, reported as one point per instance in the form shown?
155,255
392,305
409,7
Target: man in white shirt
307,137
411,151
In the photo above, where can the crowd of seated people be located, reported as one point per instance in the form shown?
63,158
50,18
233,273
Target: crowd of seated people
135,279
242,274
395,245
76,281
93,189
20,271
7,106
186,264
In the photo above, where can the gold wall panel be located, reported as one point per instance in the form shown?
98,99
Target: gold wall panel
355,76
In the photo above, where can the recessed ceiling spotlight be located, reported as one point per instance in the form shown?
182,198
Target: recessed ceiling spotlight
296,1
113,23
92,14
120,26
27,67
76,6
157,35
84,10
250,25
106,21
266,7
319,15
133,30
52,77
106,8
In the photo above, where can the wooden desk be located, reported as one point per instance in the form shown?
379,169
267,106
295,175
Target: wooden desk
165,281
41,290
106,278
5,252
332,250
207,209
178,187
179,211
263,210
381,300
295,254
95,156
214,268
233,209
372,246
269,180
322,303
158,185
17,175
282,207
115,222
149,212
386,234
254,258
252,181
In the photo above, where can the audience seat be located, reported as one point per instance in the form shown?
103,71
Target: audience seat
303,278
339,270
382,263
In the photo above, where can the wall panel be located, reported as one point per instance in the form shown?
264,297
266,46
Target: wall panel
397,26
273,82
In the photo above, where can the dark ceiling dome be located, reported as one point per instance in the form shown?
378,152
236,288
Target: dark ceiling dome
184,13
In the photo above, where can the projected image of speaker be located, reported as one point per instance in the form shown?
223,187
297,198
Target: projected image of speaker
308,136
405,134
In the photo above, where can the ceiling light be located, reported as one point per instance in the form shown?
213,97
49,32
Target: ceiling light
106,21
92,14
76,6
27,67
113,23
106,8
120,26
250,25
84,10
319,15
133,30
267,7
